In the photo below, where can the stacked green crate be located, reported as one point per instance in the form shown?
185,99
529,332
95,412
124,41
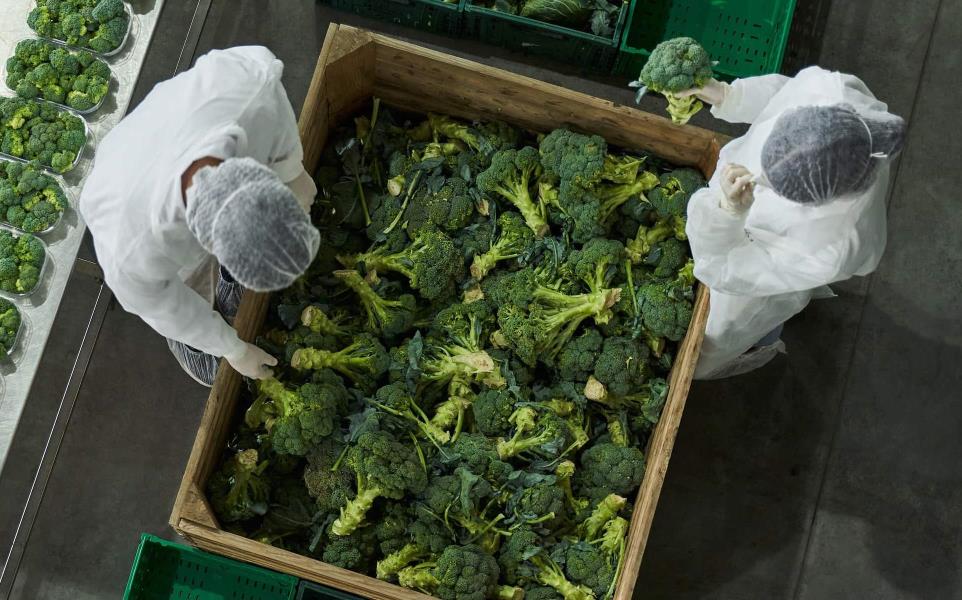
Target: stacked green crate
435,16
747,37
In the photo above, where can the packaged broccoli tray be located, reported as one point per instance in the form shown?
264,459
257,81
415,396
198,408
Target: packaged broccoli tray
471,369
42,133
10,324
75,79
99,25
30,200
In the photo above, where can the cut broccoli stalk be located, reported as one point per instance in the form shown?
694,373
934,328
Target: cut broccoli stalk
607,509
431,262
511,175
551,575
613,196
393,563
641,245
515,237
388,317
315,319
362,361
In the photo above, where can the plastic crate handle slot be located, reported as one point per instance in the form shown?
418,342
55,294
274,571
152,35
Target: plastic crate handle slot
403,2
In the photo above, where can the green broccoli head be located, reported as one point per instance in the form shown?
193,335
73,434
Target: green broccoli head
622,365
511,176
390,318
492,412
240,490
589,565
576,361
431,263
514,237
362,361
385,467
665,315
448,209
674,66
574,158
612,468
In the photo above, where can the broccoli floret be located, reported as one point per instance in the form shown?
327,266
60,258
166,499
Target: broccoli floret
665,315
315,319
365,359
9,324
105,10
589,565
611,197
613,468
514,237
390,318
460,573
298,420
385,468
431,262
479,455
543,501
645,240
328,480
622,365
667,257
395,399
240,489
574,158
551,575
670,198
492,412
449,209
674,66
109,35
545,434
606,510
576,361
511,175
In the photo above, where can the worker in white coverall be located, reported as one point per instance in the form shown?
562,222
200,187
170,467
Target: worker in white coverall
198,194
796,204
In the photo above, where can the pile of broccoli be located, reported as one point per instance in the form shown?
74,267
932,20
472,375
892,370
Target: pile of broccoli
30,200
674,66
596,16
9,325
37,131
40,69
100,25
21,260
471,367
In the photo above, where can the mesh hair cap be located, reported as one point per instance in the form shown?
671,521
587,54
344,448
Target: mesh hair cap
816,154
246,217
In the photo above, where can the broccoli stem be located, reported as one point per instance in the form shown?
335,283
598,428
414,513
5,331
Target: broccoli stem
616,429
510,593
551,575
532,213
404,203
393,563
483,263
317,321
682,109
418,577
565,313
606,510
614,196
355,511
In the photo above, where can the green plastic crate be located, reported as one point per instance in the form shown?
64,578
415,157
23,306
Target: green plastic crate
167,571
589,52
312,591
746,37
427,15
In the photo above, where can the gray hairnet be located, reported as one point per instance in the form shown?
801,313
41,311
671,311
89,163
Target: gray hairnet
251,222
816,154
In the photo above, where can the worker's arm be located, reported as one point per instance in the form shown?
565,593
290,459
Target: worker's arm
729,260
177,312
745,99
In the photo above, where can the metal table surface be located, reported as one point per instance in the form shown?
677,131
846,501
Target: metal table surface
64,242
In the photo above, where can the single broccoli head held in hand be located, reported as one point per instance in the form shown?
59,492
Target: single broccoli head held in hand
677,65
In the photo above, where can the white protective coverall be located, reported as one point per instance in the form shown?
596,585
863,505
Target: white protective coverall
765,265
232,104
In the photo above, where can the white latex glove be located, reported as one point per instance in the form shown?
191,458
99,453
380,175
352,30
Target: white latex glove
304,190
252,362
713,92
738,191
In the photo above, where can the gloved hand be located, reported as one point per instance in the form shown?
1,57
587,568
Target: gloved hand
252,362
713,92
737,189
304,190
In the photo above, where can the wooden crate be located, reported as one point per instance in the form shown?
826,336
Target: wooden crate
353,66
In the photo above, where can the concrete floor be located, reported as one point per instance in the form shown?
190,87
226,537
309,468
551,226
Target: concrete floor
832,473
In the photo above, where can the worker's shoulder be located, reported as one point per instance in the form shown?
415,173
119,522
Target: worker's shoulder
256,61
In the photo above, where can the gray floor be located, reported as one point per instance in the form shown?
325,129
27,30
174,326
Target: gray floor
833,473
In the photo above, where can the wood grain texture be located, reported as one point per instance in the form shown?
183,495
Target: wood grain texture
660,446
354,65
241,548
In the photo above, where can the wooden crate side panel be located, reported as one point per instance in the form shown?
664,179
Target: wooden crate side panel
241,548
342,83
424,80
662,443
